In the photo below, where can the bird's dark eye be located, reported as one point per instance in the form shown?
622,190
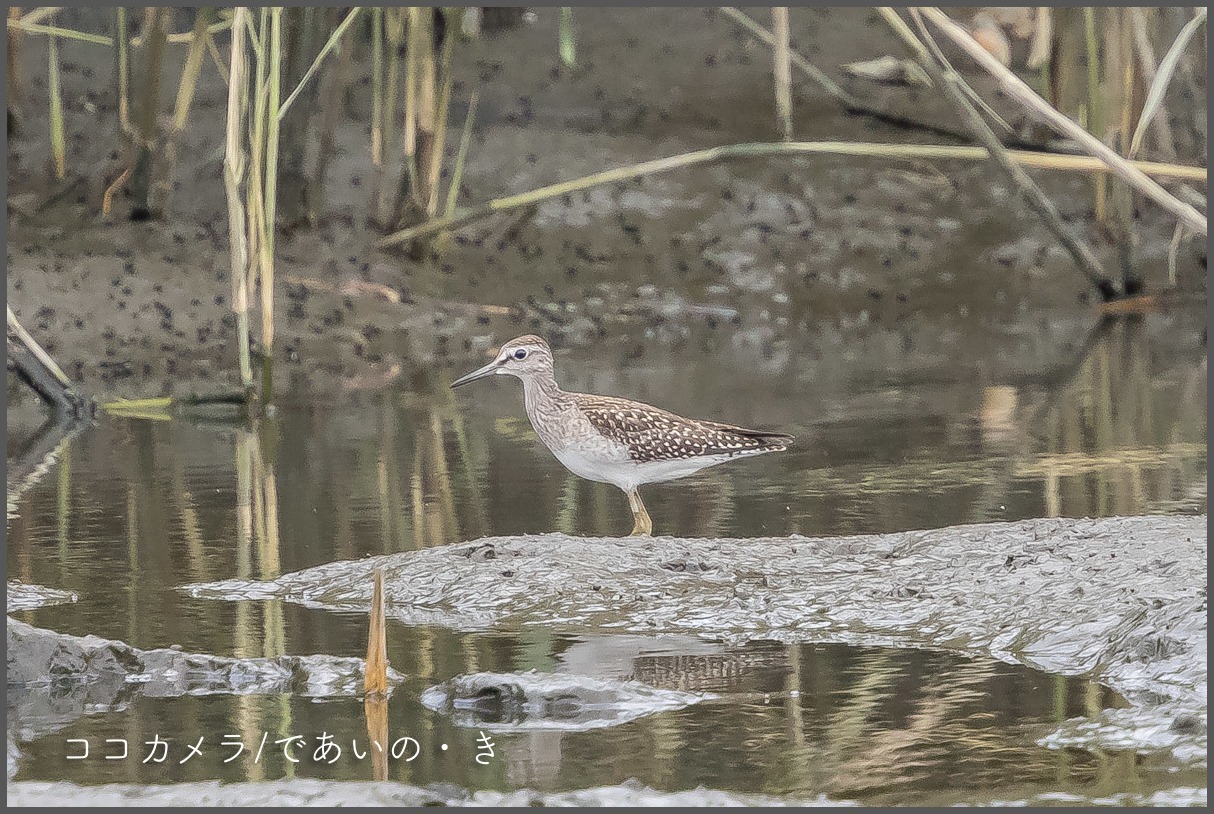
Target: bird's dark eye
521,353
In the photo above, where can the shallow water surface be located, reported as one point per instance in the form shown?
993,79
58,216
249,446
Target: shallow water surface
134,509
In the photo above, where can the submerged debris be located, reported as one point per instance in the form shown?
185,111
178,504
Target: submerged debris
506,702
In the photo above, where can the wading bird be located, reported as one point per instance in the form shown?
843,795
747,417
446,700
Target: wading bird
617,441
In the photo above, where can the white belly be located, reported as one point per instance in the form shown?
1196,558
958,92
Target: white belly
628,474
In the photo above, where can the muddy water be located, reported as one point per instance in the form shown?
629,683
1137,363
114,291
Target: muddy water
136,508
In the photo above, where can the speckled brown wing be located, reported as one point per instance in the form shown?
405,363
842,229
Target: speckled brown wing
652,434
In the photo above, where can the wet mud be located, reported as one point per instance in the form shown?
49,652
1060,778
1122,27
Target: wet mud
307,792
825,271
1121,600
54,678
759,250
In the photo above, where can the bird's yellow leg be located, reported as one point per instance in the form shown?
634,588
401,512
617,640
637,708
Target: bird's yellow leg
642,526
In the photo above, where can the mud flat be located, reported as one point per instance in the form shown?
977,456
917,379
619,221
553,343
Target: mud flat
1121,600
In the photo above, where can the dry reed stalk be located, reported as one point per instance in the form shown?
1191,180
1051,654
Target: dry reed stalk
1022,93
427,107
849,102
185,89
409,126
57,31
124,72
375,686
1052,161
189,73
270,194
34,16
375,709
375,678
943,78
782,69
58,138
377,88
1160,80
393,36
329,45
442,112
1094,106
234,174
14,39
1164,140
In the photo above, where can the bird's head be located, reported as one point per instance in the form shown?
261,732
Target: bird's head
525,357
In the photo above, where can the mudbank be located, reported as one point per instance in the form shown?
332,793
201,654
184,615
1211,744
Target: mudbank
1121,600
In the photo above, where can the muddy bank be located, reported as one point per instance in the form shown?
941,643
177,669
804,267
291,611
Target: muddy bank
54,678
1119,599
338,793
306,792
761,249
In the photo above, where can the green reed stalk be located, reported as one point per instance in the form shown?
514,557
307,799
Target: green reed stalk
465,139
568,41
457,174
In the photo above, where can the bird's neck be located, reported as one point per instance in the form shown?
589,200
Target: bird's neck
540,391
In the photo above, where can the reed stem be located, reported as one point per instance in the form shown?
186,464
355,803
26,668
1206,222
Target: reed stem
234,172
1022,93
782,69
1026,158
58,138
946,80
270,199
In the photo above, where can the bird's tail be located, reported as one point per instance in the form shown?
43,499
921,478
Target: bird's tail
775,441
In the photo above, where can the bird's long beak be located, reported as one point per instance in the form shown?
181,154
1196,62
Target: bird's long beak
487,370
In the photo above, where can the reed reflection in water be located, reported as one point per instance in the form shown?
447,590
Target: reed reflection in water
130,509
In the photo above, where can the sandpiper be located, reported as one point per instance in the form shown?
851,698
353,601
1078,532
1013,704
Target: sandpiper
617,441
